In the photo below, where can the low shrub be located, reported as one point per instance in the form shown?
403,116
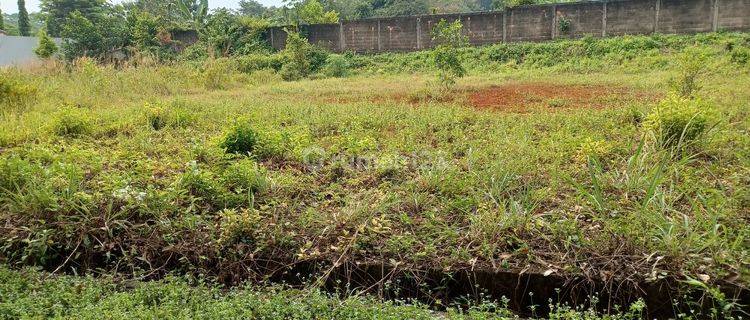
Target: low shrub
218,73
337,66
740,56
14,92
678,120
157,116
255,62
244,176
72,122
240,139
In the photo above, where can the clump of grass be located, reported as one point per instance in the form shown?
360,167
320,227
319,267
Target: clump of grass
218,73
245,176
14,92
240,139
238,225
72,122
157,116
337,66
678,121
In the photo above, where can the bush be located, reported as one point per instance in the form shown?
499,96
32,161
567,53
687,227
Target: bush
302,58
336,66
13,91
445,55
256,62
678,120
72,122
157,116
47,48
740,55
240,139
692,65
217,73
245,176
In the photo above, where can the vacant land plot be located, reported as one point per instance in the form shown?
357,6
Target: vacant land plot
596,175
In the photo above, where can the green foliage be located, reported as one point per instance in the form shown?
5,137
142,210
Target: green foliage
193,12
14,91
312,12
93,38
449,39
2,20
245,176
46,48
72,122
563,24
255,62
228,34
240,139
691,65
741,55
302,58
58,13
24,26
252,8
678,121
337,66
217,73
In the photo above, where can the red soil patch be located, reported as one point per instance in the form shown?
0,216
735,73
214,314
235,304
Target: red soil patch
526,96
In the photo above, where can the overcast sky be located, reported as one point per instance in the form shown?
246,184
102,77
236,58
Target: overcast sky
11,6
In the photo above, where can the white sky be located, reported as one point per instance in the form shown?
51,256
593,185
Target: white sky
11,6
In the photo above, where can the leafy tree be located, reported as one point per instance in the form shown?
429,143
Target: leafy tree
58,12
297,53
97,38
46,47
449,38
228,34
193,12
252,8
392,8
24,27
309,12
2,20
312,12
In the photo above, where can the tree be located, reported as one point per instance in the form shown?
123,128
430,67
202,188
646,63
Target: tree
106,34
193,12
24,27
58,12
2,21
252,8
46,47
449,38
309,12
312,12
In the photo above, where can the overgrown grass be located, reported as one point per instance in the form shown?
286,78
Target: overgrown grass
148,170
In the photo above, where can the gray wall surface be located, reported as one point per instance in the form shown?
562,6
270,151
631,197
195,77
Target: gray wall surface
19,50
532,23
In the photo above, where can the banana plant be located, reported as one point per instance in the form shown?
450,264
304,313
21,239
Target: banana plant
194,12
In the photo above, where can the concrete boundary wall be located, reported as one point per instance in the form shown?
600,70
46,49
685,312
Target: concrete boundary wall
532,23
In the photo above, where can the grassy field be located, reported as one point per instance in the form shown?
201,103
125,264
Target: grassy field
545,159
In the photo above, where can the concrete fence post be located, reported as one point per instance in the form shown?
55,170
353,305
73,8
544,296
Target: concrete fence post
505,28
272,46
342,39
604,19
656,15
715,24
379,45
419,33
554,22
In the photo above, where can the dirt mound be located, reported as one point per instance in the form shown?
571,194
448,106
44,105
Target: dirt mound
526,97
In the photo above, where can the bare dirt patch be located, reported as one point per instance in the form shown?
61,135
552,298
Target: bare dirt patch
526,97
